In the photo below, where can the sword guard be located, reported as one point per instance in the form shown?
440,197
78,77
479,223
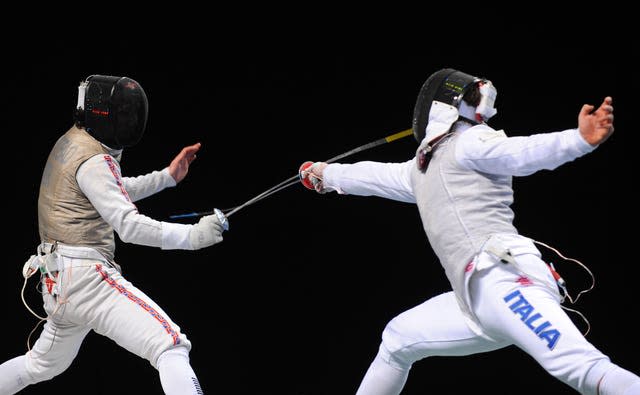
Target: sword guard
223,218
305,176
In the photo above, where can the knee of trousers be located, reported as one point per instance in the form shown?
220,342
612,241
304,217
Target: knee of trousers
155,346
42,369
608,378
176,351
585,374
396,350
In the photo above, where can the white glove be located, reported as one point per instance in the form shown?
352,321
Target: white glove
207,232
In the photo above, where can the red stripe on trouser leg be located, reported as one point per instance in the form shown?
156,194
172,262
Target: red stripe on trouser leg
165,324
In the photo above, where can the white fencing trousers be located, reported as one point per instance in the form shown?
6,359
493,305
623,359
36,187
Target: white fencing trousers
90,295
13,376
513,307
382,378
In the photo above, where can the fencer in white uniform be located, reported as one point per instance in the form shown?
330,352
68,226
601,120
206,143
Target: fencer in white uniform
503,293
83,199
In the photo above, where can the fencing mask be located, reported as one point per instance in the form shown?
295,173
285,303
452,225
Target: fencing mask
112,109
440,103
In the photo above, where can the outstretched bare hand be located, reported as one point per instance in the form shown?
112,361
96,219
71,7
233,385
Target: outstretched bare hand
595,127
180,164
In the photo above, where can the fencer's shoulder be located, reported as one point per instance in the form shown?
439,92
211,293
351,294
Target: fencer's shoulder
481,133
100,162
476,141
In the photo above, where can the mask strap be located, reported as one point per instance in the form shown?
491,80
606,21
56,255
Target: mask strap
82,89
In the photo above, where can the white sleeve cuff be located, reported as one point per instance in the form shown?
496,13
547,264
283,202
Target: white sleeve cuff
167,178
580,143
330,176
176,236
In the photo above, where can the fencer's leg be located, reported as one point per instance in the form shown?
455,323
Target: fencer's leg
633,390
52,354
176,375
55,350
527,311
436,327
135,322
14,376
383,379
616,381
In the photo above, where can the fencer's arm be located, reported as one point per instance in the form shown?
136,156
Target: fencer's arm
146,185
100,180
486,150
143,186
387,180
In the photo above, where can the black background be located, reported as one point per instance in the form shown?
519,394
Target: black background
296,297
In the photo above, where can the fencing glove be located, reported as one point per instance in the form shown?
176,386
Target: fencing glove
207,232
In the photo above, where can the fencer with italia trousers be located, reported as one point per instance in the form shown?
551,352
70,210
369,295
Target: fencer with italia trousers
502,292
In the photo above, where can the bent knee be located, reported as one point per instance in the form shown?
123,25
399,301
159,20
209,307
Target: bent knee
582,374
397,350
613,379
180,351
41,369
